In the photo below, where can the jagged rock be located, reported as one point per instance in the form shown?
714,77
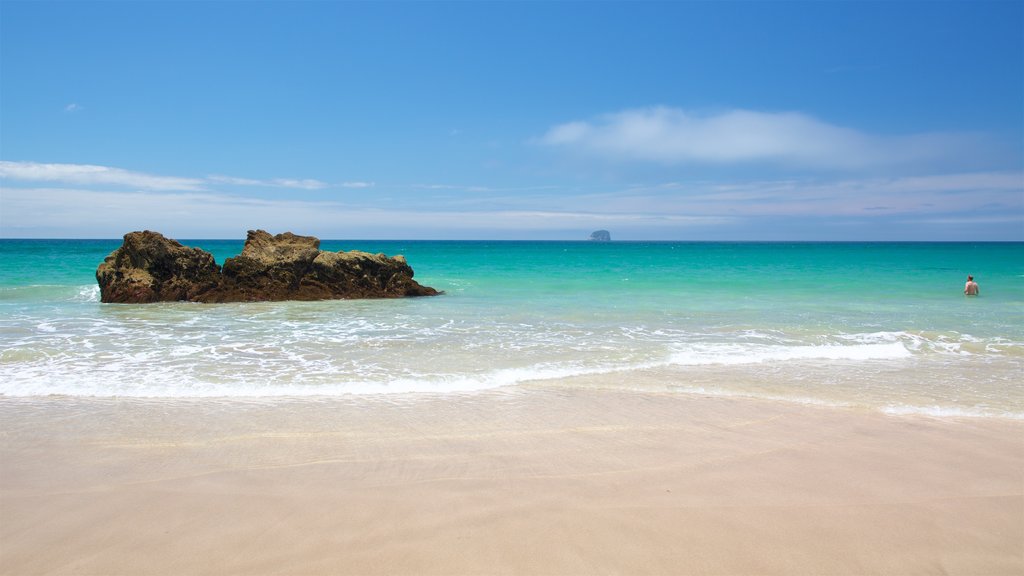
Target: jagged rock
269,268
601,236
151,268
362,274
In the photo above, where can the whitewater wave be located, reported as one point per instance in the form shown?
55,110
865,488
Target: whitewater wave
951,412
51,293
196,371
949,343
734,354
88,293
364,347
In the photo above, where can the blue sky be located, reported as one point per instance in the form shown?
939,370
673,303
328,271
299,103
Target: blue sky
517,120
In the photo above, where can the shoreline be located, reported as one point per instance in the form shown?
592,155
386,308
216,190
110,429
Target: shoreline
514,481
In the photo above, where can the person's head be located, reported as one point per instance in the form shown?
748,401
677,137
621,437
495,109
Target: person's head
970,278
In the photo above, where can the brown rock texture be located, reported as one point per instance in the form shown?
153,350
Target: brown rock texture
151,268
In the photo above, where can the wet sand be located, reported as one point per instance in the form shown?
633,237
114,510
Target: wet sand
525,481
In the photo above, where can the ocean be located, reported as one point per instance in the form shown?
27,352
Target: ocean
871,326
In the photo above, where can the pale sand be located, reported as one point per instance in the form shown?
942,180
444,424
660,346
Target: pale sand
535,481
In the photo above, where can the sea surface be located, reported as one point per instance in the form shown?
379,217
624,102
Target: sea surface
874,326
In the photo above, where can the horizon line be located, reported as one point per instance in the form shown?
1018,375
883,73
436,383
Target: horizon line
552,240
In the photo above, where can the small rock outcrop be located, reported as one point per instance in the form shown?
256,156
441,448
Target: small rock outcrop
601,236
151,268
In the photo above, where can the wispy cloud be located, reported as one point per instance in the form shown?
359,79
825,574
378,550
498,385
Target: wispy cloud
73,107
453,187
88,175
970,220
474,188
303,184
99,213
921,195
234,181
671,135
105,202
92,175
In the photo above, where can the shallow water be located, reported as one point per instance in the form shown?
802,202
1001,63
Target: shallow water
875,325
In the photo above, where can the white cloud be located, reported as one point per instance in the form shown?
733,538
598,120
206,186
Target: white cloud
922,195
108,214
304,184
474,188
73,107
92,175
88,175
975,181
80,201
970,220
670,135
233,181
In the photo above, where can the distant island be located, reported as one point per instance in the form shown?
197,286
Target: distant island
601,236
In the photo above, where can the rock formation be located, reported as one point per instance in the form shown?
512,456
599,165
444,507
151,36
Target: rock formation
151,268
601,236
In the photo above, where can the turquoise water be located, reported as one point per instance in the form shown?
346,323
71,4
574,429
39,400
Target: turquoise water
879,326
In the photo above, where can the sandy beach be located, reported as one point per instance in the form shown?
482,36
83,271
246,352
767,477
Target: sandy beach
528,481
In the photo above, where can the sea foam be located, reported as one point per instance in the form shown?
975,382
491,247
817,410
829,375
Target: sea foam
732,354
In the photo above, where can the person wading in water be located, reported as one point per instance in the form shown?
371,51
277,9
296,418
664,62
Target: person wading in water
971,288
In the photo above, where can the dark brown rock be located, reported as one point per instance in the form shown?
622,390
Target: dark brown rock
362,274
269,268
151,268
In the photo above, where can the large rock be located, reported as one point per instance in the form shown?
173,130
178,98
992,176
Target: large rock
151,268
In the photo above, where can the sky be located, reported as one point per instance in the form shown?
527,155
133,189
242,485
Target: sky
823,120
